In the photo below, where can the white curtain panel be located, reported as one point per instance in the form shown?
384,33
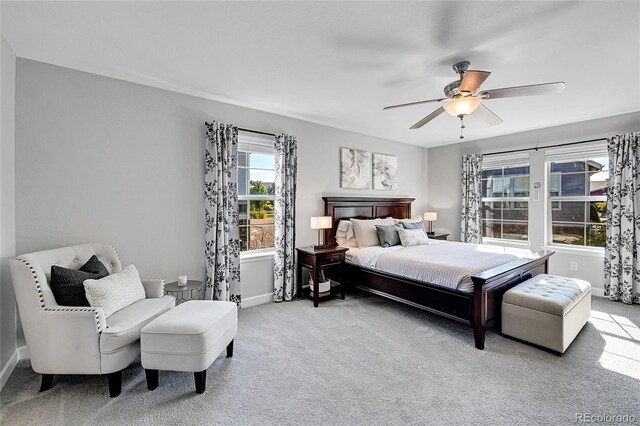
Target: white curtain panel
471,219
285,217
222,235
621,263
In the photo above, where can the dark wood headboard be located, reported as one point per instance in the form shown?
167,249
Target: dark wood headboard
344,208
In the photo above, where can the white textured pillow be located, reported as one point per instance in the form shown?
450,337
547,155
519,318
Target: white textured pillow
115,291
365,230
413,237
345,236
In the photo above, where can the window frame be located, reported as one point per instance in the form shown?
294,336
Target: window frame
250,145
503,163
586,199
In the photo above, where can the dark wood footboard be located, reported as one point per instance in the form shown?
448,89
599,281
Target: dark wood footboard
489,287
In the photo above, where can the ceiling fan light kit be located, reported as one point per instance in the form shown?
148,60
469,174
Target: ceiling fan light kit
463,97
462,106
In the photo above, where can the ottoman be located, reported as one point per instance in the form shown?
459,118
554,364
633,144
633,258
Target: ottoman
547,310
188,337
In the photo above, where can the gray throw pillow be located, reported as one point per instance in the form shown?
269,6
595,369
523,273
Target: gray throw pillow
413,225
388,235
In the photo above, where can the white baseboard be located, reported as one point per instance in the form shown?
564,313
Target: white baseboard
7,369
257,300
597,292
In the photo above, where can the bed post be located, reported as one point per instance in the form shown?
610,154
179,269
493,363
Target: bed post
477,322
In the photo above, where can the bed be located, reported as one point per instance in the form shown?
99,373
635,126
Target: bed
474,300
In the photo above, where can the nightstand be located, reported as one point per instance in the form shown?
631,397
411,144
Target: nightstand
437,236
315,260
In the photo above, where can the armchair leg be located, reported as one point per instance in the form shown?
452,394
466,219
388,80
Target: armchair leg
115,383
47,381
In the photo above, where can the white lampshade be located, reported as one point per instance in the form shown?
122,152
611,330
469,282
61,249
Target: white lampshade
430,216
462,106
321,222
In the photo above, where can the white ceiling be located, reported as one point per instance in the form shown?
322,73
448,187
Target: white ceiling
338,63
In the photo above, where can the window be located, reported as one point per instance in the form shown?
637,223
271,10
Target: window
578,197
505,198
256,192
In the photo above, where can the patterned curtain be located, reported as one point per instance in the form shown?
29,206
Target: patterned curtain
222,235
471,220
285,217
621,263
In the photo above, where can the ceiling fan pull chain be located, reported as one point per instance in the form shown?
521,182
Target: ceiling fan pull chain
461,126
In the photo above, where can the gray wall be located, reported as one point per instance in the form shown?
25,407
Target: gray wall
100,159
7,203
444,169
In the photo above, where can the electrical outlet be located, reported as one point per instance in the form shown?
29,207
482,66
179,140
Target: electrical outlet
573,266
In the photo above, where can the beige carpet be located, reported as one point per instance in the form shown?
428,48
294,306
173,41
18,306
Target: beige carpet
364,360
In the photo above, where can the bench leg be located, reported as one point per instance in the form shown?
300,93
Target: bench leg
152,378
115,383
230,350
47,381
201,380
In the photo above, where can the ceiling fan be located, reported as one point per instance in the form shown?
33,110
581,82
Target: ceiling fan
463,97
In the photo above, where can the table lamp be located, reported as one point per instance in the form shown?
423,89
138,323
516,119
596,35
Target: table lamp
430,217
321,223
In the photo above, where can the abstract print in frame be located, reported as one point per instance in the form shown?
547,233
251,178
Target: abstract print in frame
355,171
385,171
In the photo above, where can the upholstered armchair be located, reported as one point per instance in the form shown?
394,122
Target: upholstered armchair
80,340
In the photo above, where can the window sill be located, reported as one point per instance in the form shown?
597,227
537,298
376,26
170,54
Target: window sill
256,255
582,251
501,242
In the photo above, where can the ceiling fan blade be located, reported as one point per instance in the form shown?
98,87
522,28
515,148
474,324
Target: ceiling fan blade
531,90
428,118
472,80
486,115
414,103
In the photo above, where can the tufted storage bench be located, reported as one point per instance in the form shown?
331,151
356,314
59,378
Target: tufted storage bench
547,310
188,338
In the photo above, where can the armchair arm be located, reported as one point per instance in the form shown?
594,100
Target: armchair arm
67,340
153,288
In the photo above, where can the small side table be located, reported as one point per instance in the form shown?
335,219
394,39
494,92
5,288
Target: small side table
194,290
437,236
316,259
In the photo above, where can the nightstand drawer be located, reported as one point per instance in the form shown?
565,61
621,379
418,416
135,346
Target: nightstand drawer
328,259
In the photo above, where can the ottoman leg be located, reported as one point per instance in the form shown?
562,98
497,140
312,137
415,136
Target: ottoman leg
201,380
152,379
230,350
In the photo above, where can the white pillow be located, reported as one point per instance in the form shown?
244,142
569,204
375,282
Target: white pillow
365,230
413,237
345,236
115,291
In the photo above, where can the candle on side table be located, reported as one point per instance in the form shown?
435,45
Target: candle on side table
182,280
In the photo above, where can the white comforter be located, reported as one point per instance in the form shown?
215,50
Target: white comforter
445,263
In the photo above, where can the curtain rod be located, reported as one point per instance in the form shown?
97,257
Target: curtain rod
543,147
256,131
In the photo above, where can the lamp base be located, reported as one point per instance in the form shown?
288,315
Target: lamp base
320,246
